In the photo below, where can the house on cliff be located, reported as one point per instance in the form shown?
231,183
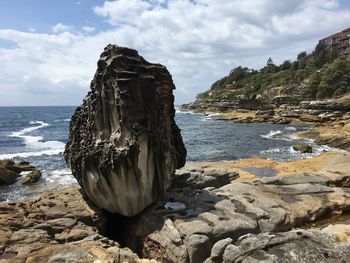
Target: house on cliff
338,41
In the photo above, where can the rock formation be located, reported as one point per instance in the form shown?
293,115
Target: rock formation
57,227
124,145
11,171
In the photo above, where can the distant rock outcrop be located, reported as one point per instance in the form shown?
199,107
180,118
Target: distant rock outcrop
11,171
124,145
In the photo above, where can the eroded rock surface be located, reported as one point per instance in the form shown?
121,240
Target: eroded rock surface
124,145
207,224
57,227
11,171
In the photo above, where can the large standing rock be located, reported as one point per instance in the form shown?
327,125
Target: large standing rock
124,145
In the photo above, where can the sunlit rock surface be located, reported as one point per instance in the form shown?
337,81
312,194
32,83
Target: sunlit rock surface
124,145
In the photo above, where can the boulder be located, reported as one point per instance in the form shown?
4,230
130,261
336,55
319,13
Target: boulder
11,171
31,177
124,145
7,176
303,148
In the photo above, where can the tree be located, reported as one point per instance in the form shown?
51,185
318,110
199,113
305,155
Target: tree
270,66
269,62
286,65
301,55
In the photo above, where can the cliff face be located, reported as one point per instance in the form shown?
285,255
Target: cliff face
124,145
322,74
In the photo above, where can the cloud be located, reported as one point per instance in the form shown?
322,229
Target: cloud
199,42
88,29
59,27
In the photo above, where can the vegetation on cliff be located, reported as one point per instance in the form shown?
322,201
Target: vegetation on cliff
321,74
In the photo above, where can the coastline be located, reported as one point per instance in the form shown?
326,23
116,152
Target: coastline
334,132
279,197
268,198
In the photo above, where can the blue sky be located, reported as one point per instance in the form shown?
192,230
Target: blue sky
41,15
49,49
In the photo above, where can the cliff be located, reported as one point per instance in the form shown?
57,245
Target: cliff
323,74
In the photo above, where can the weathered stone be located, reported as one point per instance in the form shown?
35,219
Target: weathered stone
198,247
11,171
57,227
202,179
219,248
294,246
7,176
124,145
303,148
31,177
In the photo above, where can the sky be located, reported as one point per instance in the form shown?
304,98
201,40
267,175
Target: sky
49,49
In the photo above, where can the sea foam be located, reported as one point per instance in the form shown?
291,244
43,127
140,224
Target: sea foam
35,144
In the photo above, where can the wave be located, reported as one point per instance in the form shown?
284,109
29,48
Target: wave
61,176
31,154
35,144
290,128
271,134
63,120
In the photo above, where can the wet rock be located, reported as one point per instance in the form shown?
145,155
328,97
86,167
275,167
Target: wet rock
11,171
31,177
303,148
124,145
7,176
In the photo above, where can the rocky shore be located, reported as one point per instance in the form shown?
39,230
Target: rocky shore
330,119
137,202
214,212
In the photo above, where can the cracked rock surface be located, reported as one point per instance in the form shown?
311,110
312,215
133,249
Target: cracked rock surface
211,222
57,227
124,145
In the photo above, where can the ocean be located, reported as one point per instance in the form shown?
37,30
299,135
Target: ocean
38,135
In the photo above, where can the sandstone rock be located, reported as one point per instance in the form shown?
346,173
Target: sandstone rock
294,246
341,231
7,176
214,219
124,145
303,148
11,171
202,178
57,227
31,177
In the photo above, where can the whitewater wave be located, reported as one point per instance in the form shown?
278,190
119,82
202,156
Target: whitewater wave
35,144
271,134
290,128
61,176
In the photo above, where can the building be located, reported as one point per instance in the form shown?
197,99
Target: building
339,41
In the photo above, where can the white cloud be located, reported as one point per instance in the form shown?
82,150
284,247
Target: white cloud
199,42
88,29
59,27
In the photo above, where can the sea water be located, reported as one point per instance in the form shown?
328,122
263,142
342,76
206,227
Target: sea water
38,135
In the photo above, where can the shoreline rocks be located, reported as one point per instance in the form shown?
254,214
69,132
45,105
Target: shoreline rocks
10,172
57,227
330,118
124,144
303,148
209,214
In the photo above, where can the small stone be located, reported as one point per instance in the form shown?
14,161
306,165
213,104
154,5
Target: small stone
303,148
219,248
31,177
